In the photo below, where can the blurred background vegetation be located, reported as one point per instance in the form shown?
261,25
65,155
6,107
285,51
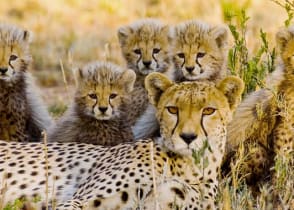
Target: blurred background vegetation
69,33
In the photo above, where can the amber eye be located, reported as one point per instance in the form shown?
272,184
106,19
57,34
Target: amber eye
137,51
200,55
93,96
208,111
181,55
156,50
112,96
172,109
12,57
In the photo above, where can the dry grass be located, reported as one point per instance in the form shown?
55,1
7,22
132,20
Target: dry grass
70,33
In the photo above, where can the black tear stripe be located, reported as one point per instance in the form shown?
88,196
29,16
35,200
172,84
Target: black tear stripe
140,57
9,63
183,63
176,125
110,103
203,127
93,107
198,63
154,58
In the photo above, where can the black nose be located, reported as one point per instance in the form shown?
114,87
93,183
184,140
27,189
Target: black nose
188,137
190,68
3,70
103,109
147,63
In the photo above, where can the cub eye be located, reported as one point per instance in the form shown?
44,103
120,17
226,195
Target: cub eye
200,54
172,109
112,96
181,55
156,50
137,51
93,96
208,111
12,57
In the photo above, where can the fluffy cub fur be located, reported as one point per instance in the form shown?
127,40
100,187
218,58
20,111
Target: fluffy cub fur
145,46
98,112
199,51
264,120
22,115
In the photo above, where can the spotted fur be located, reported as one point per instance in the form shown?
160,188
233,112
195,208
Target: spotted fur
22,115
98,112
84,176
199,51
264,120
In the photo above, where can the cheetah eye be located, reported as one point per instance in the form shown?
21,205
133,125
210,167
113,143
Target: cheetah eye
181,55
172,109
156,50
93,96
200,55
208,111
112,96
12,57
137,51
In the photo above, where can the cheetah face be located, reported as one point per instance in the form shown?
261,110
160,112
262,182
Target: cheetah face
145,46
14,56
198,51
193,113
102,90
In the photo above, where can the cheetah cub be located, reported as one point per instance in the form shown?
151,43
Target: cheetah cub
22,115
199,51
98,113
145,46
264,120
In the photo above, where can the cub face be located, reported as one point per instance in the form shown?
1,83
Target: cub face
285,43
14,52
191,113
198,50
144,45
102,88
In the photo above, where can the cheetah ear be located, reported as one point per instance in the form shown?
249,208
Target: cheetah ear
27,36
232,87
78,75
220,34
155,84
123,33
282,38
127,80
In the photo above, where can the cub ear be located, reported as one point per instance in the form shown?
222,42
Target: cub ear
78,75
27,36
123,34
232,87
220,35
155,84
282,37
127,80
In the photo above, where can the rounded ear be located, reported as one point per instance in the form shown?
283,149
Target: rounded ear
232,87
282,37
27,36
123,33
78,75
127,80
220,34
155,84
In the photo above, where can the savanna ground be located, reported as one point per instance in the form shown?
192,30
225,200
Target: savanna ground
70,33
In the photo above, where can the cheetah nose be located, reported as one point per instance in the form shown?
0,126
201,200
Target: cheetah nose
103,109
190,68
3,70
147,63
188,137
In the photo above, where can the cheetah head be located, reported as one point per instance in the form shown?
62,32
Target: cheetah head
102,89
14,52
198,50
144,45
192,113
285,43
